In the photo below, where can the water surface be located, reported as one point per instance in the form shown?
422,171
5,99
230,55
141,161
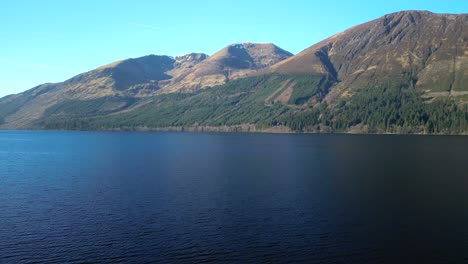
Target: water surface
194,197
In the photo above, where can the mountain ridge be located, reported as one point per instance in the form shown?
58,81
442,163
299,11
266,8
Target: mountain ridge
366,53
135,77
413,63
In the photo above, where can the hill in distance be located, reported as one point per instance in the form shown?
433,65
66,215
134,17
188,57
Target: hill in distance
405,72
141,77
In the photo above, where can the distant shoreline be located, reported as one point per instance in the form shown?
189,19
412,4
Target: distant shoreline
236,129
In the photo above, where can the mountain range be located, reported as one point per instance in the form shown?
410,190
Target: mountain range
405,72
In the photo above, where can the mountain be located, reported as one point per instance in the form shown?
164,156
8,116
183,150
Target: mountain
132,77
232,62
417,48
405,72
140,77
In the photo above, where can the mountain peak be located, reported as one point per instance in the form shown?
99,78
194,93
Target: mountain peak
250,55
418,13
417,48
191,57
410,12
233,61
247,45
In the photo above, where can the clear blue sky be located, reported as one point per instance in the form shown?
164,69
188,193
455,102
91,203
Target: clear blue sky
51,41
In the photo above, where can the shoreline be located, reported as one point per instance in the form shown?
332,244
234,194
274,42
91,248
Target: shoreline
235,129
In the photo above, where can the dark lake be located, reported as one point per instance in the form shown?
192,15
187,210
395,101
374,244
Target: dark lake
102,197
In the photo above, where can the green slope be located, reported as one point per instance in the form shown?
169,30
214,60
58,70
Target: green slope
237,102
385,109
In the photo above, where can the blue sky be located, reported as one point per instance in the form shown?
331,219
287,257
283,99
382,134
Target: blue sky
51,41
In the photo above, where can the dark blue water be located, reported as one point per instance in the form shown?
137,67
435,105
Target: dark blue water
181,197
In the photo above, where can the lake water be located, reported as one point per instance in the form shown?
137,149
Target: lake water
240,198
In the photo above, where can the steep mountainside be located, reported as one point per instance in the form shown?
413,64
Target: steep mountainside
414,48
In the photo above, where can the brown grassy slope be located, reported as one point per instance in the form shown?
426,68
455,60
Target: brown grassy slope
132,77
234,61
430,50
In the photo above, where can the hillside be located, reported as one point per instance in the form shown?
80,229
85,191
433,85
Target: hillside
413,48
267,103
232,62
405,72
139,78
